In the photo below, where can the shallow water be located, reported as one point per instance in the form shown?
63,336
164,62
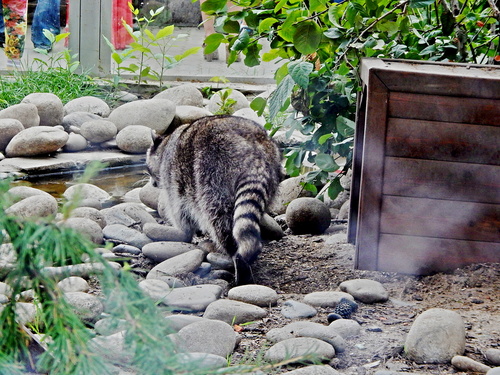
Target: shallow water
116,181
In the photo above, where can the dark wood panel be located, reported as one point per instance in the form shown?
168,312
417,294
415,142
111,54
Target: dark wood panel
371,175
442,180
421,255
443,141
444,108
440,218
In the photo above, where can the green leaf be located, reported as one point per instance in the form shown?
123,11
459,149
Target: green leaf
150,34
420,3
335,188
212,42
252,55
307,37
266,24
428,50
345,126
287,30
231,27
186,53
333,33
324,138
310,187
166,31
300,70
280,95
271,55
258,105
326,163
213,6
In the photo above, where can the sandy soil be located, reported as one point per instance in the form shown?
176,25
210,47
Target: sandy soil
297,265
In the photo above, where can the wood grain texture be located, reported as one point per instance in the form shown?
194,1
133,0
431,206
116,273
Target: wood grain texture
442,180
440,219
422,255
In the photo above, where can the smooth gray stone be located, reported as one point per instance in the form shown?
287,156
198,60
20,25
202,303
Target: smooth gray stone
86,227
87,306
122,233
74,284
308,329
90,213
494,371
110,326
297,310
220,261
98,131
160,232
49,106
308,216
270,229
298,348
259,295
33,207
8,129
18,193
326,299
346,327
365,290
203,270
134,139
26,113
163,250
234,312
149,196
126,249
314,370
129,214
436,336
207,336
178,321
493,356
215,101
467,364
112,348
186,94
90,104
206,361
86,191
178,265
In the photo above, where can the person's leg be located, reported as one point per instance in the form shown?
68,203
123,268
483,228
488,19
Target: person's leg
14,14
2,26
46,17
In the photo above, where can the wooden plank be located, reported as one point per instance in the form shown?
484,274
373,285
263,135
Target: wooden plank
430,77
440,219
442,180
357,161
443,141
371,175
444,108
421,255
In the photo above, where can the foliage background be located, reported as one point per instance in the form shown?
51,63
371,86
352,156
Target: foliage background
322,43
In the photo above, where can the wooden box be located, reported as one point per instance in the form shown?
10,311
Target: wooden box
425,195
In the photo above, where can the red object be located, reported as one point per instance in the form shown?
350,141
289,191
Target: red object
119,35
121,11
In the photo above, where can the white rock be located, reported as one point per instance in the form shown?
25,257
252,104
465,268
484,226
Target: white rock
163,250
120,233
33,207
18,193
250,114
299,348
38,140
90,213
346,327
49,106
207,336
469,365
8,129
87,306
326,299
26,113
365,290
129,214
186,114
75,143
185,94
149,195
74,120
74,284
436,336
234,312
135,139
86,227
258,295
314,370
85,191
154,114
97,131
89,104
178,265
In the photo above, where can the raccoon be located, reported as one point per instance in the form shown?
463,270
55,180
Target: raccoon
217,175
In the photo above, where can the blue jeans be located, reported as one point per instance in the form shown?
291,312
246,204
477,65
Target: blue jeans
46,17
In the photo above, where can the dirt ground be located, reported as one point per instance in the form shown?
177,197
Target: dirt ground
297,265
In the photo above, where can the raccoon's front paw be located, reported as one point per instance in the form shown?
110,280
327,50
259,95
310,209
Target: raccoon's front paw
242,271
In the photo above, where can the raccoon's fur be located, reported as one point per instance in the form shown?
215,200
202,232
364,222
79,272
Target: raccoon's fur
217,175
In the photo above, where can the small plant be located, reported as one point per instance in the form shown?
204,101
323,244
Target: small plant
226,103
141,49
63,60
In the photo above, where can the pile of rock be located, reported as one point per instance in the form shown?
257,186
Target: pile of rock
42,125
192,282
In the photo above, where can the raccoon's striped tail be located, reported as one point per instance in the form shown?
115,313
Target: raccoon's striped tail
251,198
